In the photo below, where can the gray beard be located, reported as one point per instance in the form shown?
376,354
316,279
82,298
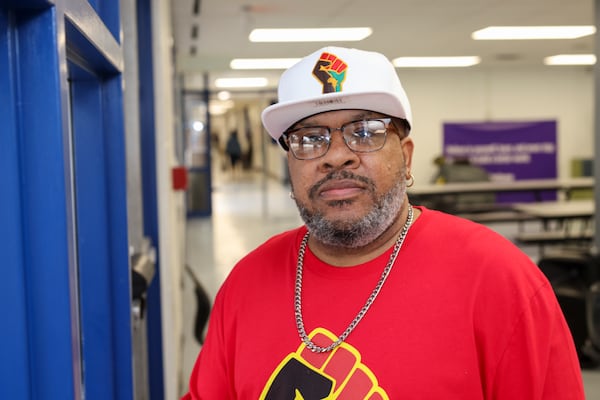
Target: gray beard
362,231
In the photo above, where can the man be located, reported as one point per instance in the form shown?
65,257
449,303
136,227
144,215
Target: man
374,298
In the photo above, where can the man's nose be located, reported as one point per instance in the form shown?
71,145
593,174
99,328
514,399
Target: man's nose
339,154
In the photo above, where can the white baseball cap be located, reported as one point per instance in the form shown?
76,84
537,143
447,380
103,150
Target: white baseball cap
336,78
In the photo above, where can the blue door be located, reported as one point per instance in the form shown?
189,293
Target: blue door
65,271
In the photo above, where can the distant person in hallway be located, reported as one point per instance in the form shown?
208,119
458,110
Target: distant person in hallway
375,298
233,149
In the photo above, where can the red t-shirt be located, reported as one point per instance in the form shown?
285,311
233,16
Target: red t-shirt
464,314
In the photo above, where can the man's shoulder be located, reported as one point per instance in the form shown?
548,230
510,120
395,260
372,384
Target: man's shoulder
276,246
266,262
450,229
283,239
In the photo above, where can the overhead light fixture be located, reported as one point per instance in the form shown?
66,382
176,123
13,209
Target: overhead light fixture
428,62
224,95
533,32
571,59
198,126
310,35
241,82
262,63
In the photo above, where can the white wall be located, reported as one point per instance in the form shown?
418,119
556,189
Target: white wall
525,93
564,94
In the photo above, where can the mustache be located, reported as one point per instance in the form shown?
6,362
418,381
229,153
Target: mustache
339,175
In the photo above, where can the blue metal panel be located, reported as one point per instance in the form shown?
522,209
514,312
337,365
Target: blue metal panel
44,207
114,137
89,36
39,336
14,368
100,182
27,4
109,11
148,146
93,237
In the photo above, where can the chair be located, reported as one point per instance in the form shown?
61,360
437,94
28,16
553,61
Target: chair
575,278
203,307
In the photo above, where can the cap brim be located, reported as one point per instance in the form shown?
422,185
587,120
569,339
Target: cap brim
278,117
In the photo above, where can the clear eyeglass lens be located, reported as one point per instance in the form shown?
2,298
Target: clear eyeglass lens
360,136
365,136
308,143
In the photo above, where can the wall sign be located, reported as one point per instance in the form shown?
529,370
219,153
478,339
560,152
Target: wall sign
509,151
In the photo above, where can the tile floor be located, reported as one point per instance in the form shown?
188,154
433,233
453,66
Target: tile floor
247,210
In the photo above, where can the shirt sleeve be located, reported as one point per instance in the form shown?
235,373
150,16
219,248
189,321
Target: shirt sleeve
539,361
211,377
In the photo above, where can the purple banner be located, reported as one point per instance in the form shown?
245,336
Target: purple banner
508,151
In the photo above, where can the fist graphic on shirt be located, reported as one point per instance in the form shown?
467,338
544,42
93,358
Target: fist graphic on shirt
338,374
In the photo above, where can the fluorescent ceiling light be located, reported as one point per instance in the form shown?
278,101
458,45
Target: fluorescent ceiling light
571,59
310,35
240,82
263,63
419,62
533,32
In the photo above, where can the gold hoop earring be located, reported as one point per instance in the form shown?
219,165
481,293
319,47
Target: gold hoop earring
410,180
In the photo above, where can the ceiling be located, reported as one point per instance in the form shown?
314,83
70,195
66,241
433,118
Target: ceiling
208,34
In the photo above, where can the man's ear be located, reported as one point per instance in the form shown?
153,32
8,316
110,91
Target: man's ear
407,151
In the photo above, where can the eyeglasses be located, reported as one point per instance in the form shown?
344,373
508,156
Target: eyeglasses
362,136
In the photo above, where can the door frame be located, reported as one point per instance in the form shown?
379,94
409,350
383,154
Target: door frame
42,355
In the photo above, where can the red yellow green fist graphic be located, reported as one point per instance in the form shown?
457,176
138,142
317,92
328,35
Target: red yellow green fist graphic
336,375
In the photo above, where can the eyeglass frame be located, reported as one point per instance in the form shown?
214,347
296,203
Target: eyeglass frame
394,121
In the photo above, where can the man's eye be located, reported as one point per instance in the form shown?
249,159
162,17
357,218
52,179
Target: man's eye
313,139
363,133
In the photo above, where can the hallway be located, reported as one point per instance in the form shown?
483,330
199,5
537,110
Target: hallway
246,211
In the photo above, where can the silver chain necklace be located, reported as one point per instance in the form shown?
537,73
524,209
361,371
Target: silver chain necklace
298,291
